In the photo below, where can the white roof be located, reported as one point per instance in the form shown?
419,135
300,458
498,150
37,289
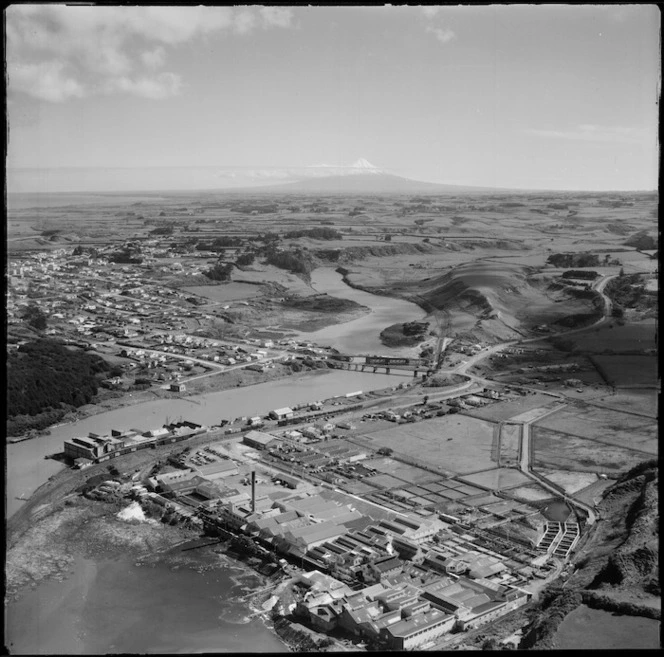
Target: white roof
281,411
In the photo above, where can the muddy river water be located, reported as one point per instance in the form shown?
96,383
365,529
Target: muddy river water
27,468
361,336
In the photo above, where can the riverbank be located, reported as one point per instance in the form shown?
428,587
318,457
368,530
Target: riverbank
77,527
238,378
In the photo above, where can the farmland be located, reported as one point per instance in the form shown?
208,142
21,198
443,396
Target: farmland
604,426
563,451
627,371
453,443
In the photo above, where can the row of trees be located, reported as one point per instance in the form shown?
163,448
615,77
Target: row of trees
318,233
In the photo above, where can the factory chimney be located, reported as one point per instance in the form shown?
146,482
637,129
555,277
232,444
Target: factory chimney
253,491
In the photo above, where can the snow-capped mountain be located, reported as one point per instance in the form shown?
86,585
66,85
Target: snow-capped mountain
360,166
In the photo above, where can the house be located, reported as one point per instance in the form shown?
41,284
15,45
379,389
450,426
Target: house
281,413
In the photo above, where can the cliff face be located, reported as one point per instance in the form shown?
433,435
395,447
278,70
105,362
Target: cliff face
620,571
635,563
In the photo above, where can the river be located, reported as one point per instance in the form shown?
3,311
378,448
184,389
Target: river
164,606
361,336
27,469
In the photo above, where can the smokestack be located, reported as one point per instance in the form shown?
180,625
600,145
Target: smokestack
253,491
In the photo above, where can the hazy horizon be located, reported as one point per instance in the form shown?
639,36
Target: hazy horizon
551,97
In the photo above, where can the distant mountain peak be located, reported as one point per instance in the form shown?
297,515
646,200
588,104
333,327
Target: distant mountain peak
360,166
363,164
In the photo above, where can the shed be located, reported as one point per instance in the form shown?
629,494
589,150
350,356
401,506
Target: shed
281,413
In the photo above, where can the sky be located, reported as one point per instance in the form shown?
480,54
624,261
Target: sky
559,97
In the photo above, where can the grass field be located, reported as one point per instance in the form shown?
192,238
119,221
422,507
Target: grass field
634,336
624,371
406,472
636,401
501,411
498,478
469,450
570,481
558,451
532,493
510,439
609,427
225,291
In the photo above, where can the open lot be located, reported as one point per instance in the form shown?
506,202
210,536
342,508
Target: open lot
403,471
531,493
501,411
634,401
498,478
225,291
559,451
605,426
456,443
572,482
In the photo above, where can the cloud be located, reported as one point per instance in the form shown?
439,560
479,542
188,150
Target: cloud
154,58
45,80
431,10
276,16
58,52
443,34
592,132
157,87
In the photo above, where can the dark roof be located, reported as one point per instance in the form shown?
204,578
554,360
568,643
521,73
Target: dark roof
387,563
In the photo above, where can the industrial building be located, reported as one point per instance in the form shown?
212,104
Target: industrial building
258,439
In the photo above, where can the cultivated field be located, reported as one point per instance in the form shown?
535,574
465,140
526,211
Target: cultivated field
604,426
635,401
626,371
613,338
510,440
552,450
454,443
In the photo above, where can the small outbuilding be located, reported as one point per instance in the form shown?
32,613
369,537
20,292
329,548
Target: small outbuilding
281,413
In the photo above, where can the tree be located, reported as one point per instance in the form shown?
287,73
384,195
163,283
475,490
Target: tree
385,451
35,318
